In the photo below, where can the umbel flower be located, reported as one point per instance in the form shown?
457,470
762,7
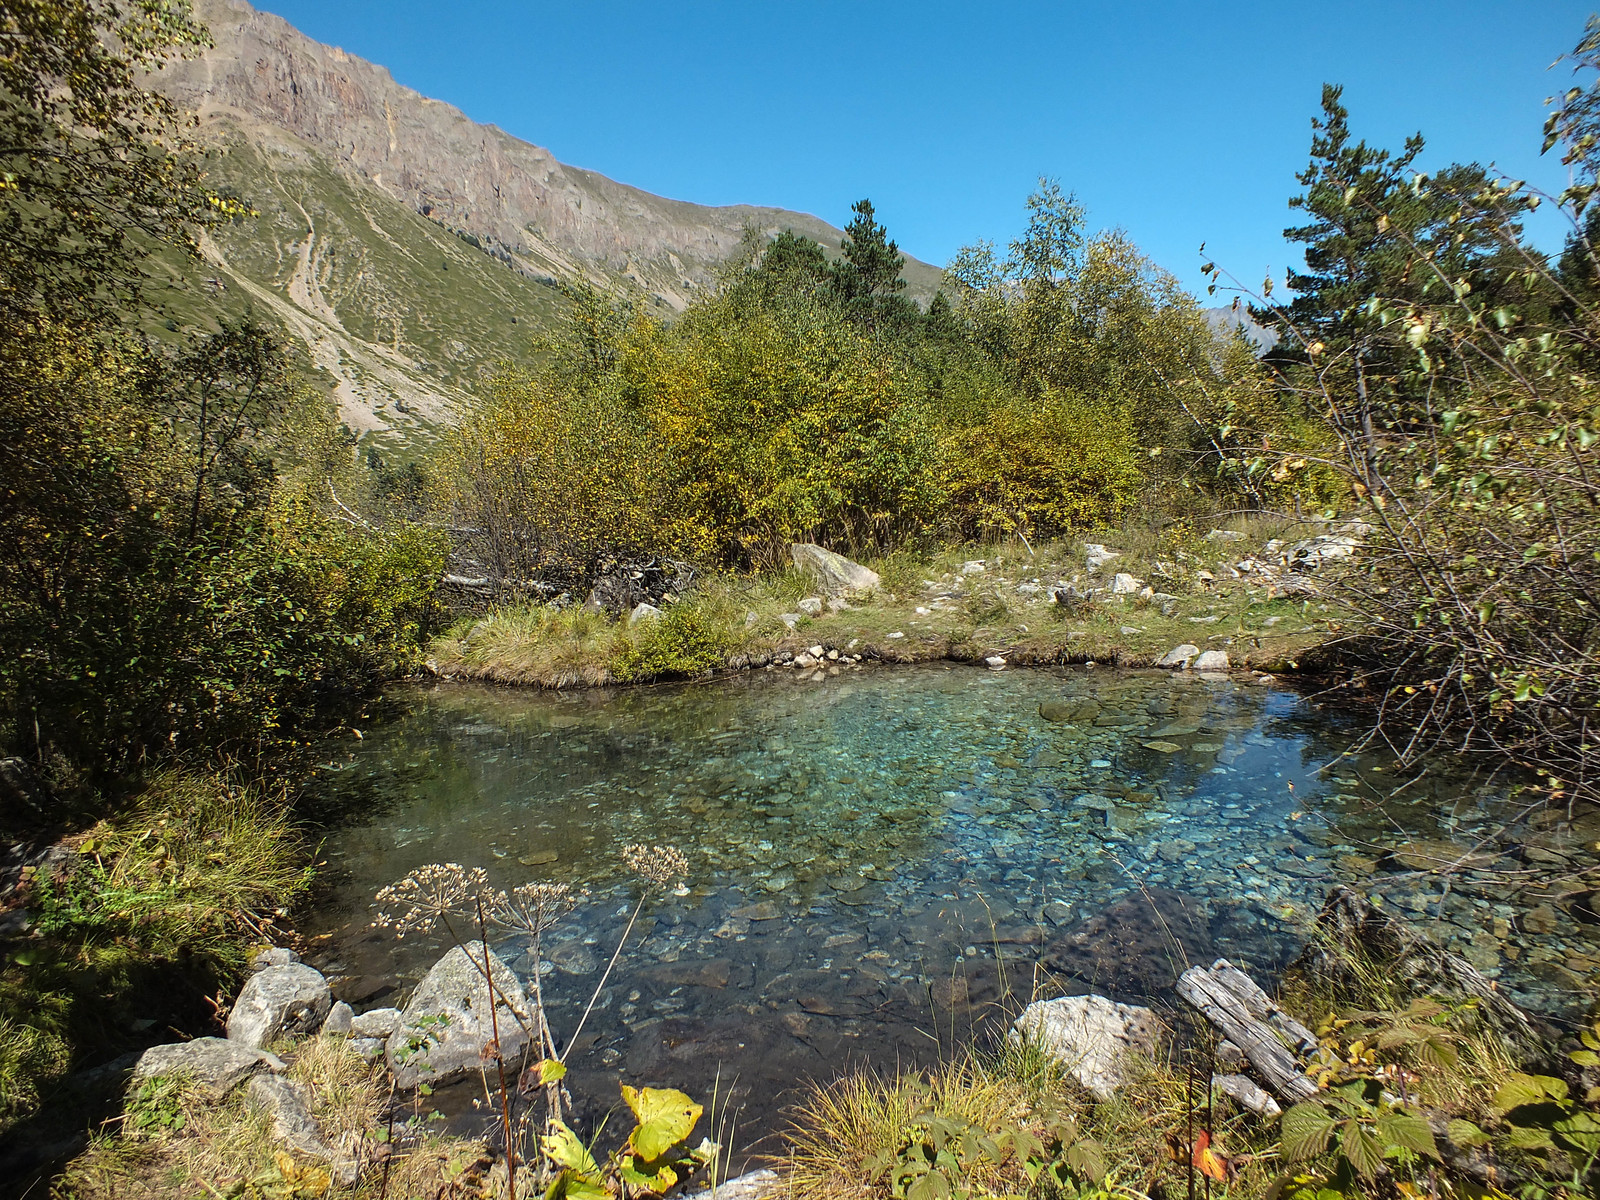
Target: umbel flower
433,893
533,907
662,866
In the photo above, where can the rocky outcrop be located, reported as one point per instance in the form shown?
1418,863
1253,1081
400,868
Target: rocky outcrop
511,195
279,1002
216,1065
1091,1037
447,1028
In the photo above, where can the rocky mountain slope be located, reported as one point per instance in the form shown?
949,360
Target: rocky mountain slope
411,250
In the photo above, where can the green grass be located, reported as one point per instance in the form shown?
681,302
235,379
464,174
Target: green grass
737,619
153,913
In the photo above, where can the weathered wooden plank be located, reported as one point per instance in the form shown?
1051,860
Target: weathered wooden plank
1262,1006
1261,1044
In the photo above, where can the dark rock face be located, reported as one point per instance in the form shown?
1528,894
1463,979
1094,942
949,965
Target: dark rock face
1138,946
622,587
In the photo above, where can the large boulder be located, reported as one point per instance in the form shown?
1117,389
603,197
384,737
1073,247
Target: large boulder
446,1029
837,574
1090,1036
279,1002
1178,656
216,1065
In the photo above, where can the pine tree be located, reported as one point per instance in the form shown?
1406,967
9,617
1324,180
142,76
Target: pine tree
867,279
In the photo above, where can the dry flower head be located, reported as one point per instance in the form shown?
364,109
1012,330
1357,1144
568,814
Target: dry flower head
533,907
660,865
432,892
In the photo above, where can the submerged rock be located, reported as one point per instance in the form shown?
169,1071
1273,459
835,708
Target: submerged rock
1137,946
279,1002
1090,1036
447,1028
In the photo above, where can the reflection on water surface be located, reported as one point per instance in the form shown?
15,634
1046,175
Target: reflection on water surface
884,860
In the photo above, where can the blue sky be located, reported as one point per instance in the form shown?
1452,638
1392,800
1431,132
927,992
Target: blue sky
1180,121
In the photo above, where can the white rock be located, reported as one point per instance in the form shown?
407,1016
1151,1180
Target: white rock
446,1028
804,661
814,651
340,1018
811,606
1224,535
215,1064
975,567
790,620
643,611
279,1002
757,1185
1123,584
1212,660
1178,656
1097,556
995,662
1090,1036
835,572
895,634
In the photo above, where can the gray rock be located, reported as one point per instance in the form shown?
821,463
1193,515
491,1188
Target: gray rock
1123,584
370,1049
1224,535
811,606
279,1002
995,662
1178,656
1212,660
216,1064
643,612
1097,556
975,567
447,1027
293,1126
375,1023
1090,1036
274,956
790,620
835,572
341,1017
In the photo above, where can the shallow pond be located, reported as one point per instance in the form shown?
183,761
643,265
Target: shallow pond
885,860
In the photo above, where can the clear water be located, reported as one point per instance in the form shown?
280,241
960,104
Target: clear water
885,862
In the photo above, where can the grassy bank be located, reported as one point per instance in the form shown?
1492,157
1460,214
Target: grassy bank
929,607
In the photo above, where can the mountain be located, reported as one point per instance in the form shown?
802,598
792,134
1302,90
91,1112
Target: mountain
410,250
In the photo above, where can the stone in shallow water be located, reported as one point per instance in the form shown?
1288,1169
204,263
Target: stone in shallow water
1137,946
1163,747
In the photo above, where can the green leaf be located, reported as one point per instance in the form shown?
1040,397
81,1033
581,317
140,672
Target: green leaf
666,1117
563,1147
1465,1134
1523,1089
1408,1131
1087,1157
1363,1151
1521,1138
657,1181
1307,1129
551,1070
1585,1058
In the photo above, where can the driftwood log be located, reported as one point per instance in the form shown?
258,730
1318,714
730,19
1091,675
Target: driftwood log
1213,994
1248,1093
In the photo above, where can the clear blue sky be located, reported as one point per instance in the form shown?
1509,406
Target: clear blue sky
1179,121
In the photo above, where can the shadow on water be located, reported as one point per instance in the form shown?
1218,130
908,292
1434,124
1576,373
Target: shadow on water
885,865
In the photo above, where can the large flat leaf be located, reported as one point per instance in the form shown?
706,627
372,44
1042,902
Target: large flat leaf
1409,1131
1362,1148
1307,1129
1523,1089
665,1117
